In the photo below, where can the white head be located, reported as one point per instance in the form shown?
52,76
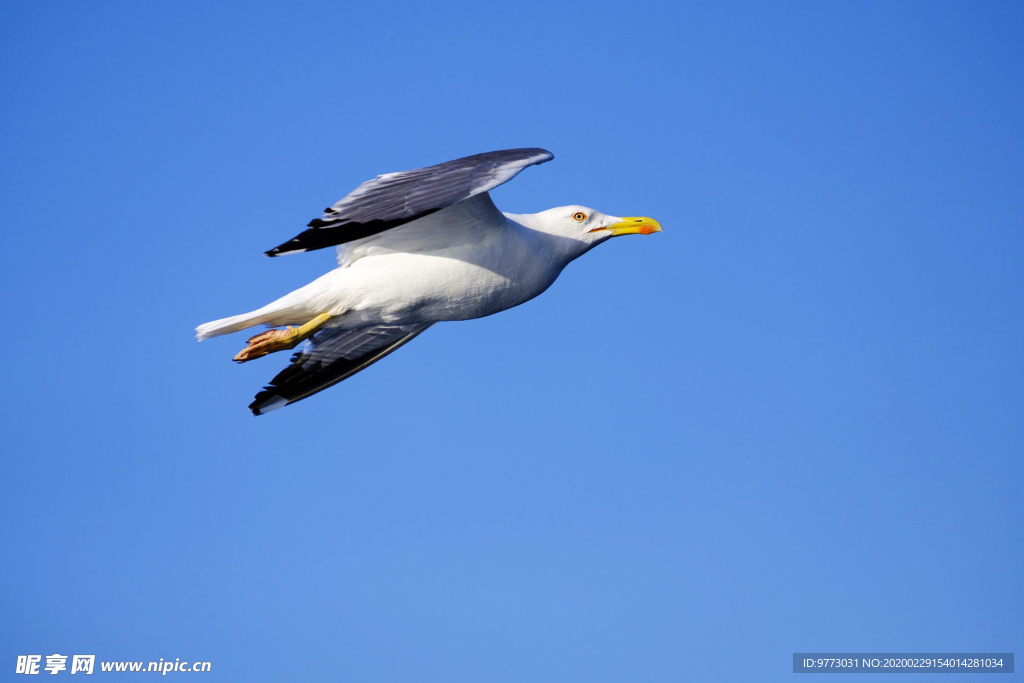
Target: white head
583,228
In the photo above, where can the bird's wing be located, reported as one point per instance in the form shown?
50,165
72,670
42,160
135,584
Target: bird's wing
333,355
462,224
394,199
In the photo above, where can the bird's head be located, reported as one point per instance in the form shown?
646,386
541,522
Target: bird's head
591,227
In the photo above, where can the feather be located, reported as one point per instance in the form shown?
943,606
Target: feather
333,354
394,199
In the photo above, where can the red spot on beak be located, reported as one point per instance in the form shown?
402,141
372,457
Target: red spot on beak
646,230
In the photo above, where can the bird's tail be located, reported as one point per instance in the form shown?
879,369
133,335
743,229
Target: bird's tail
235,323
296,308
291,309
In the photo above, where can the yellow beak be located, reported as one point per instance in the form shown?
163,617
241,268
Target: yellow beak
632,225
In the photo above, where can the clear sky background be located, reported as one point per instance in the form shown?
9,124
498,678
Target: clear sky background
792,422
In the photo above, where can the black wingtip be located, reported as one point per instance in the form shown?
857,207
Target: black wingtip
283,250
267,401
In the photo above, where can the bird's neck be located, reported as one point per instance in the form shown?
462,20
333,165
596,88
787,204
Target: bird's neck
560,249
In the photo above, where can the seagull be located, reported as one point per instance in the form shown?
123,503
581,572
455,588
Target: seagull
414,248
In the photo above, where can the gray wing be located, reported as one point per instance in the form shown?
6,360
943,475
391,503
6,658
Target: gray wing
332,355
394,199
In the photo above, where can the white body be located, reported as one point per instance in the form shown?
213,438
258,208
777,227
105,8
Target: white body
465,261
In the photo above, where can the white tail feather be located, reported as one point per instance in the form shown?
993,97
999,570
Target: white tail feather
288,310
295,308
233,324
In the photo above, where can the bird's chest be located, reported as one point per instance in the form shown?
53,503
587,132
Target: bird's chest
480,282
462,290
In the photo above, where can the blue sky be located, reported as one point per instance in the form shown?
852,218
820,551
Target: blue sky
791,423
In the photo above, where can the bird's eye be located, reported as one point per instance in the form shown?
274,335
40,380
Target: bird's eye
579,216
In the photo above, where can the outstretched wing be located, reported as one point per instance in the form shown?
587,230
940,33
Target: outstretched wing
333,355
394,199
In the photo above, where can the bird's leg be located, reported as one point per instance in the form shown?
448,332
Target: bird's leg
279,340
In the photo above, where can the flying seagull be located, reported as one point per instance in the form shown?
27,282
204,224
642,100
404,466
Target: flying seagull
414,249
